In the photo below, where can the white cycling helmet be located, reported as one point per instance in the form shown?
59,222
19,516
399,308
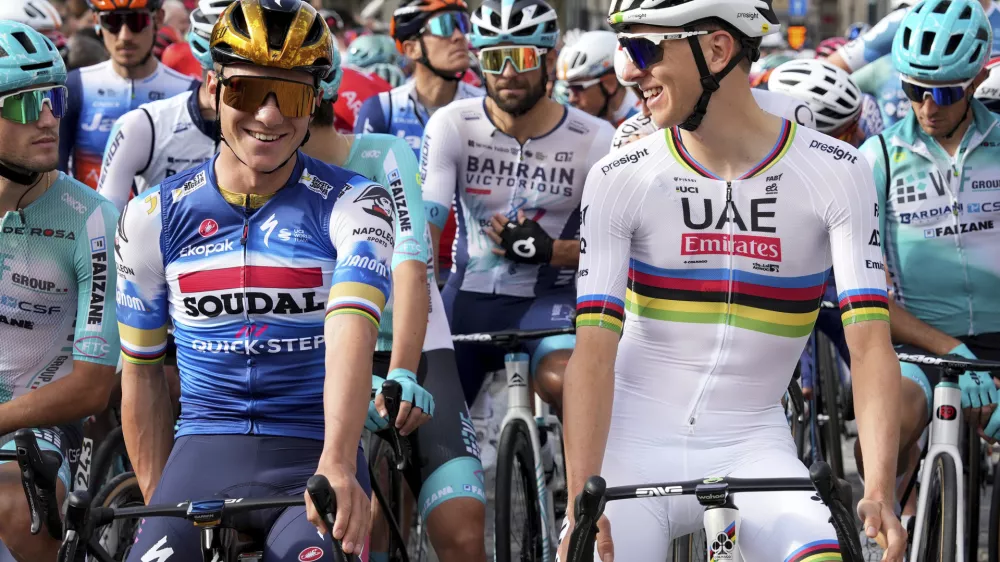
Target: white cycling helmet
773,41
989,91
572,36
37,14
829,91
620,59
592,56
897,4
210,12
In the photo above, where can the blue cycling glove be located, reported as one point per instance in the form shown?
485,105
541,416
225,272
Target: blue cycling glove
375,421
413,392
977,388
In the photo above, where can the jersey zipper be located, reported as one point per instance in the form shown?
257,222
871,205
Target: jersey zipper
248,334
693,416
956,174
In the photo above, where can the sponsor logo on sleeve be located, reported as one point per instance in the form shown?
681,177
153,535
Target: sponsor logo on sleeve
837,152
377,202
315,184
99,280
73,203
630,158
190,186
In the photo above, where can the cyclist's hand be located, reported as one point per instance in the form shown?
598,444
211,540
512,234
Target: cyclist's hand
879,519
604,547
523,242
376,417
353,518
417,406
978,390
992,431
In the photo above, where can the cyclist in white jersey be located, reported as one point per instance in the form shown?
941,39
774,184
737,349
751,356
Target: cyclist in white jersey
58,332
714,241
161,138
514,163
588,67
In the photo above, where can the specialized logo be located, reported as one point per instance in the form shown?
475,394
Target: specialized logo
197,182
208,249
630,158
310,554
160,552
837,152
268,228
98,281
207,228
377,202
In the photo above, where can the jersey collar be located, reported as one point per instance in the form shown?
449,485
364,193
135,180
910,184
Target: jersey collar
497,129
779,149
208,128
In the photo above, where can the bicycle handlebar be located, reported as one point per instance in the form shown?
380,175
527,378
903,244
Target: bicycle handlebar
39,472
511,337
82,519
953,364
392,391
712,491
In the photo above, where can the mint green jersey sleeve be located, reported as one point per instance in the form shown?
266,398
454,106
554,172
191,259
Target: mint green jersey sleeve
873,153
96,333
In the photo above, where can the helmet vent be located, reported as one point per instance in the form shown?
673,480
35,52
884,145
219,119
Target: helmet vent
976,53
982,34
907,32
315,32
516,18
239,20
942,8
32,11
3,53
277,25
953,42
966,13
495,20
927,41
819,91
26,43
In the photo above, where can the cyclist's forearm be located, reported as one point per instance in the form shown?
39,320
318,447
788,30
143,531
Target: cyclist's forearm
566,253
82,393
907,328
410,306
587,400
350,343
876,386
147,423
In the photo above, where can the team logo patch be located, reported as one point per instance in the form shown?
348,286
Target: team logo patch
208,227
310,554
313,183
377,201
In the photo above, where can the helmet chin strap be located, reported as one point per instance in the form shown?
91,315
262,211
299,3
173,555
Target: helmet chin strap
449,76
18,175
607,98
710,82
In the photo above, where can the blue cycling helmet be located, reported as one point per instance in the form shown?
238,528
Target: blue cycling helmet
942,41
27,58
518,22
369,50
331,84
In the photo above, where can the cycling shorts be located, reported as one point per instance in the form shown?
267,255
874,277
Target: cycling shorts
984,346
238,466
66,440
470,312
445,453
789,526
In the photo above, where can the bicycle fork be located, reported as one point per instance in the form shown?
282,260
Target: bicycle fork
519,407
945,433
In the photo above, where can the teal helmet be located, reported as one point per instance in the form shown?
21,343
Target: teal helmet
331,84
389,72
27,58
369,50
943,41
518,22
203,20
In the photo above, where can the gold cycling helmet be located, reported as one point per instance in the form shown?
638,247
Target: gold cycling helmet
288,34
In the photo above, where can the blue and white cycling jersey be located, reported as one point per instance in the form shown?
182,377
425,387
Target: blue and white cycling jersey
877,42
249,292
880,79
98,96
399,113
466,158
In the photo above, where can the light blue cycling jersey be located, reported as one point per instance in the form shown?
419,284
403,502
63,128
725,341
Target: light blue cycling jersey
881,81
939,218
249,291
398,112
877,42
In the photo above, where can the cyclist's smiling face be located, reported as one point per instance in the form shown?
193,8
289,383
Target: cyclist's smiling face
129,48
263,139
32,146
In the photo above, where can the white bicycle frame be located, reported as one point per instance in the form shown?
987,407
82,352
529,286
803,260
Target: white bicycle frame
722,521
943,440
519,408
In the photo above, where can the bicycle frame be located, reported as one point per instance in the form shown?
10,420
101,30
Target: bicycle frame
945,433
519,408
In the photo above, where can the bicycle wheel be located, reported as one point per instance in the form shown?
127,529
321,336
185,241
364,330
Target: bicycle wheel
381,460
973,487
518,522
939,535
121,491
829,391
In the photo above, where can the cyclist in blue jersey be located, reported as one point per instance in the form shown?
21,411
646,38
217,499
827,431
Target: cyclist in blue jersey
935,175
59,339
415,345
514,162
269,265
102,93
588,67
162,138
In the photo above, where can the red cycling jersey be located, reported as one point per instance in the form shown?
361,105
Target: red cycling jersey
355,88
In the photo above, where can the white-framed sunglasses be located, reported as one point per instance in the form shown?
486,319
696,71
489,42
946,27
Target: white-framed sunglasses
646,49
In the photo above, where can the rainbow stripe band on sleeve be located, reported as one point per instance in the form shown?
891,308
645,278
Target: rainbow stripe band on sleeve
143,347
603,311
862,305
351,297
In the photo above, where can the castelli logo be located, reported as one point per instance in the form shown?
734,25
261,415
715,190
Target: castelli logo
208,227
310,554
